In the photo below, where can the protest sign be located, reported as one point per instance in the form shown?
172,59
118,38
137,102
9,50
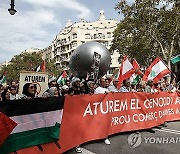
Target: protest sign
40,79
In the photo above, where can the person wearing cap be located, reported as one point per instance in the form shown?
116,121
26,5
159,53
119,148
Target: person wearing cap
90,87
75,88
114,87
64,90
53,91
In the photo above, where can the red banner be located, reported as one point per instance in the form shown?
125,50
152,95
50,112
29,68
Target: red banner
97,116
91,117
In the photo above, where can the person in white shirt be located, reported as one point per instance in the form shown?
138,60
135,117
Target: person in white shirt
126,86
102,90
13,93
114,88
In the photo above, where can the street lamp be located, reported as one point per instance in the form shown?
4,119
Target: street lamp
11,10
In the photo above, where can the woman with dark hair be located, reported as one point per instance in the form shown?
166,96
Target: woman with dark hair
5,95
28,90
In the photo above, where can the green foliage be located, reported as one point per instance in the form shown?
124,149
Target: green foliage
27,62
150,28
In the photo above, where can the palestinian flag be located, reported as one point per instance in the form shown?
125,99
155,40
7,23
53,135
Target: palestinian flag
156,71
125,71
38,122
62,78
6,127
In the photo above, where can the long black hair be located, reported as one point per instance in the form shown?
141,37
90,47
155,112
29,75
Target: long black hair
25,90
3,95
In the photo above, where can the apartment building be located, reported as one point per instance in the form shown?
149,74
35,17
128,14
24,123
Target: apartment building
47,53
75,34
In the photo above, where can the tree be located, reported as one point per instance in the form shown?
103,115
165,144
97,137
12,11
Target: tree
150,28
27,62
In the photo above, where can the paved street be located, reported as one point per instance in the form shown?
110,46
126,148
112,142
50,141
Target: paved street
149,145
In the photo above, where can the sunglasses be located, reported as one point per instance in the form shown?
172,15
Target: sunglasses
32,87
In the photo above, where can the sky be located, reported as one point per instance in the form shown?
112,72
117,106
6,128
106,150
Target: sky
37,22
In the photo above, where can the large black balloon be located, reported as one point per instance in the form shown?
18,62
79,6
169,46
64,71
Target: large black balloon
81,59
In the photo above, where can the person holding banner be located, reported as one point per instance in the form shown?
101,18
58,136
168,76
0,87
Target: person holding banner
102,90
114,87
75,90
150,87
102,87
126,86
13,93
52,83
90,87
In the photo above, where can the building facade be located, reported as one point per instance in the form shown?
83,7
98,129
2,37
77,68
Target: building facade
75,34
47,53
2,64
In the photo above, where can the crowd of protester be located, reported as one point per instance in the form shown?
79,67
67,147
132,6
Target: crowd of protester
76,86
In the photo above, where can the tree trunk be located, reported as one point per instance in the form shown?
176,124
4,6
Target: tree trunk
169,66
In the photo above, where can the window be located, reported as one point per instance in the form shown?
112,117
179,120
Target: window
87,36
58,42
108,34
106,43
95,36
74,44
63,40
74,35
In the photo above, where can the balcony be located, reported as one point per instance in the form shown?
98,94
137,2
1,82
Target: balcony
97,37
58,53
64,59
